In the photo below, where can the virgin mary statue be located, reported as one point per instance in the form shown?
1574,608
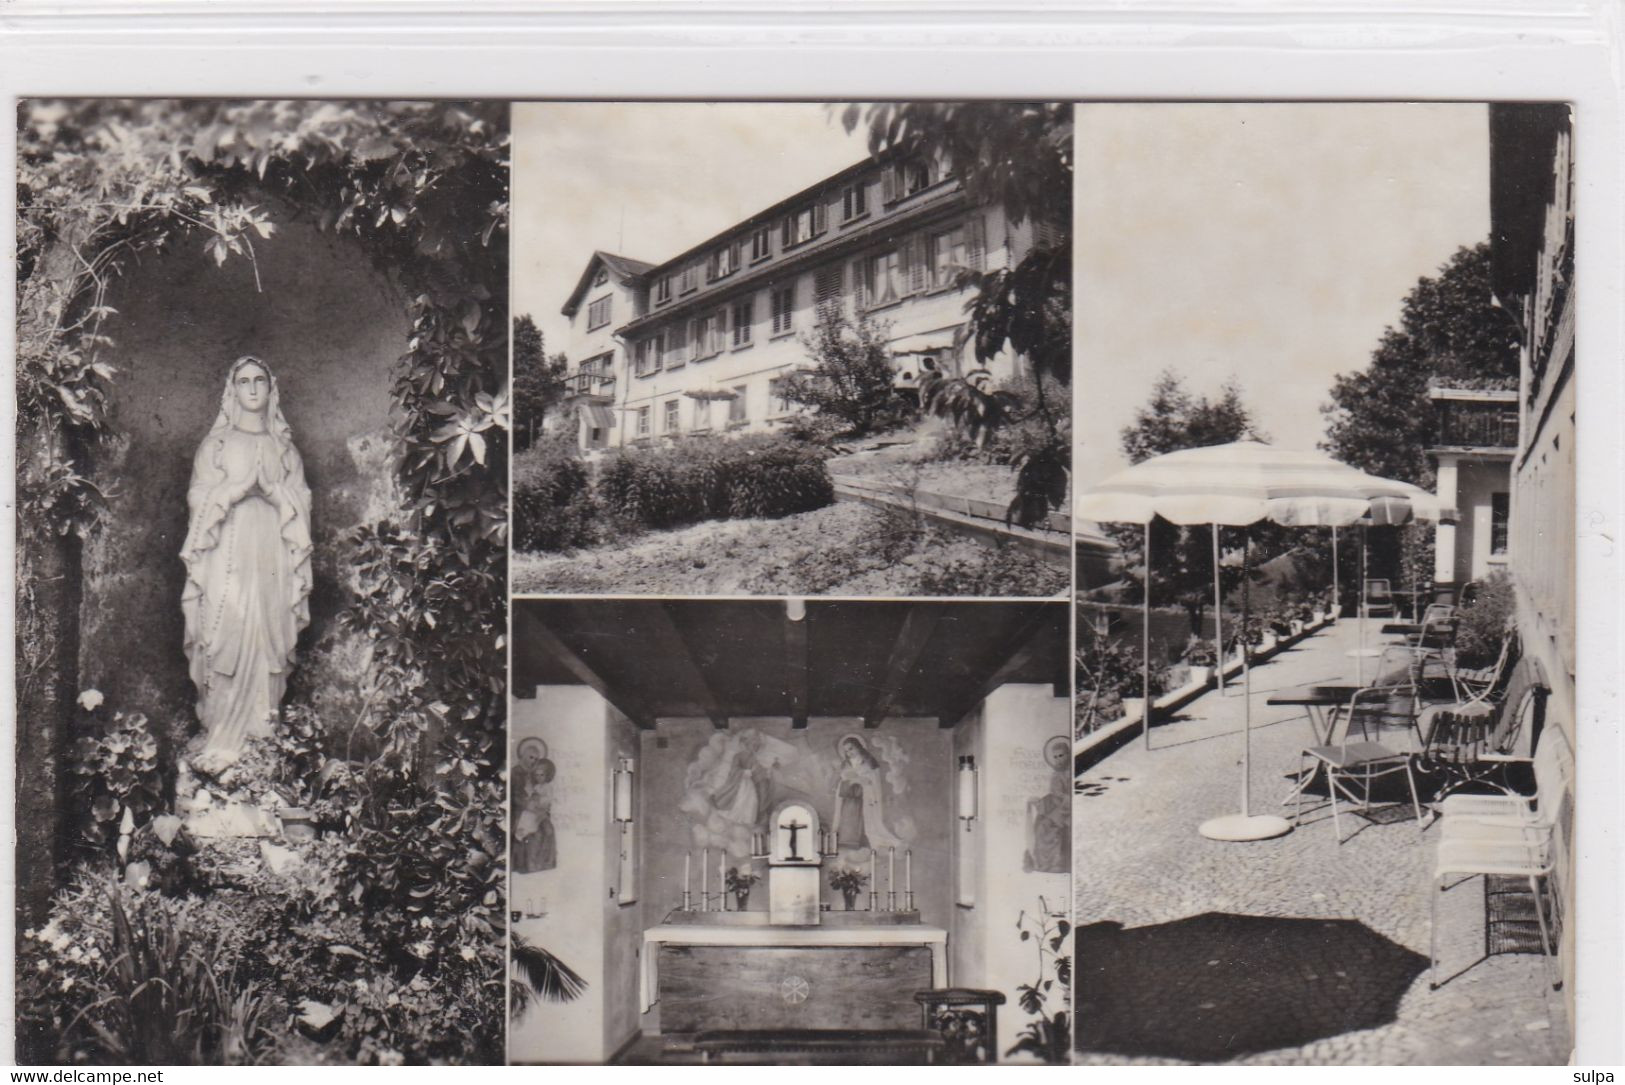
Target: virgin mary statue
247,556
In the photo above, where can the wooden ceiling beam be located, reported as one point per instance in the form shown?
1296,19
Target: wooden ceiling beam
536,636
665,616
918,625
1004,657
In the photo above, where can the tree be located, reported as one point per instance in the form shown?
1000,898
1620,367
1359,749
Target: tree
1450,329
538,381
1182,557
852,382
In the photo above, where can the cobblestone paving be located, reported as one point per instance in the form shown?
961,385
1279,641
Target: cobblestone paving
1141,862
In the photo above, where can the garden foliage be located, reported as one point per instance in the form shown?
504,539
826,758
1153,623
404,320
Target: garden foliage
1483,624
713,479
553,503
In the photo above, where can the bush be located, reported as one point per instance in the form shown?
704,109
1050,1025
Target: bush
1481,626
715,478
553,505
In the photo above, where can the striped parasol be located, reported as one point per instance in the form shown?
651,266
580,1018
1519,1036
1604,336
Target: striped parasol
1237,485
1246,482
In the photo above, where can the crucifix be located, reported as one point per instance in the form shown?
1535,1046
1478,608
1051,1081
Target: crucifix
793,827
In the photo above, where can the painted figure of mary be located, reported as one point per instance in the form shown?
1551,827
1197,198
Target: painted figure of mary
860,802
247,556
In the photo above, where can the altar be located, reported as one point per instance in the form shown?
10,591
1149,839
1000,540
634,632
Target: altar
845,973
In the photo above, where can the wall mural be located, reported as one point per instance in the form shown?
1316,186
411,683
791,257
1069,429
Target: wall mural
535,846
739,775
1049,817
865,771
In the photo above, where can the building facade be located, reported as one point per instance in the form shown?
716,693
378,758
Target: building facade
702,342
1475,433
1532,224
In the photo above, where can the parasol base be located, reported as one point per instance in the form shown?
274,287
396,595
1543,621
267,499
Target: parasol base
1244,827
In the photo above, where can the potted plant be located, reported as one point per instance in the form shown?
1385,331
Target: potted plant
1201,658
850,881
1132,688
738,882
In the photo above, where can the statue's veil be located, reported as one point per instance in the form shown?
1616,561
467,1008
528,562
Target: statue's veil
231,410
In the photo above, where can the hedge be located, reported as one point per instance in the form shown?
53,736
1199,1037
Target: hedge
713,478
553,503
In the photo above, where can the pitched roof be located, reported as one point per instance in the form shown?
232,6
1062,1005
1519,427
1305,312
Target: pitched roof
623,268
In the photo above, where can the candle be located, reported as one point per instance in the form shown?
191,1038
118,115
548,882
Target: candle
874,876
722,879
891,869
705,879
688,860
908,871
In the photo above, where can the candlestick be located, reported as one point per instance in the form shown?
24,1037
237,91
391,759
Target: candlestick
705,879
891,870
688,861
908,872
722,879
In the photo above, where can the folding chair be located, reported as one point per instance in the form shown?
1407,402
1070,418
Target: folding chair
1352,765
1378,600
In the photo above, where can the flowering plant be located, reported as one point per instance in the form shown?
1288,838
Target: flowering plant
847,879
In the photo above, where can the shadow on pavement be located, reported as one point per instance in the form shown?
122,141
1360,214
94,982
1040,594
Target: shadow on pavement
1215,986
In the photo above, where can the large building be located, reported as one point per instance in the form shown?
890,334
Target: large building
1532,224
701,342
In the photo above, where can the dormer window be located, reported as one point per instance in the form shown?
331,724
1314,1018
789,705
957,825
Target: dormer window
802,226
854,201
761,243
903,179
722,262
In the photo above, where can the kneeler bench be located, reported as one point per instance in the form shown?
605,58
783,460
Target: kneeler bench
820,1046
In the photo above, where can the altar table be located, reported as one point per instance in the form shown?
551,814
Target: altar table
787,977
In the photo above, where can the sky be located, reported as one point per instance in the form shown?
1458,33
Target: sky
1269,243
648,180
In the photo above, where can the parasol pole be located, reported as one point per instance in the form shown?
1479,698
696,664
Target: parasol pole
1359,659
1337,596
1246,676
1245,826
1218,612
1145,640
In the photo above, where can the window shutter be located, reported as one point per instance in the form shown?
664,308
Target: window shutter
975,241
917,255
859,286
820,216
888,185
787,232
827,288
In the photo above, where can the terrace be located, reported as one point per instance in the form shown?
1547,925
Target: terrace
1296,950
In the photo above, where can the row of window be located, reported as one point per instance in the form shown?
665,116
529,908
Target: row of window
923,263
798,226
702,413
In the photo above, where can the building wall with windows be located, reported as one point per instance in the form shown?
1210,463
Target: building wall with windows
1532,222
708,337
1476,435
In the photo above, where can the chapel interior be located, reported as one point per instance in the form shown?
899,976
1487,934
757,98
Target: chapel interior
783,830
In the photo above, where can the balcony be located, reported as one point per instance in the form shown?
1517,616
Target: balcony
590,384
1486,420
